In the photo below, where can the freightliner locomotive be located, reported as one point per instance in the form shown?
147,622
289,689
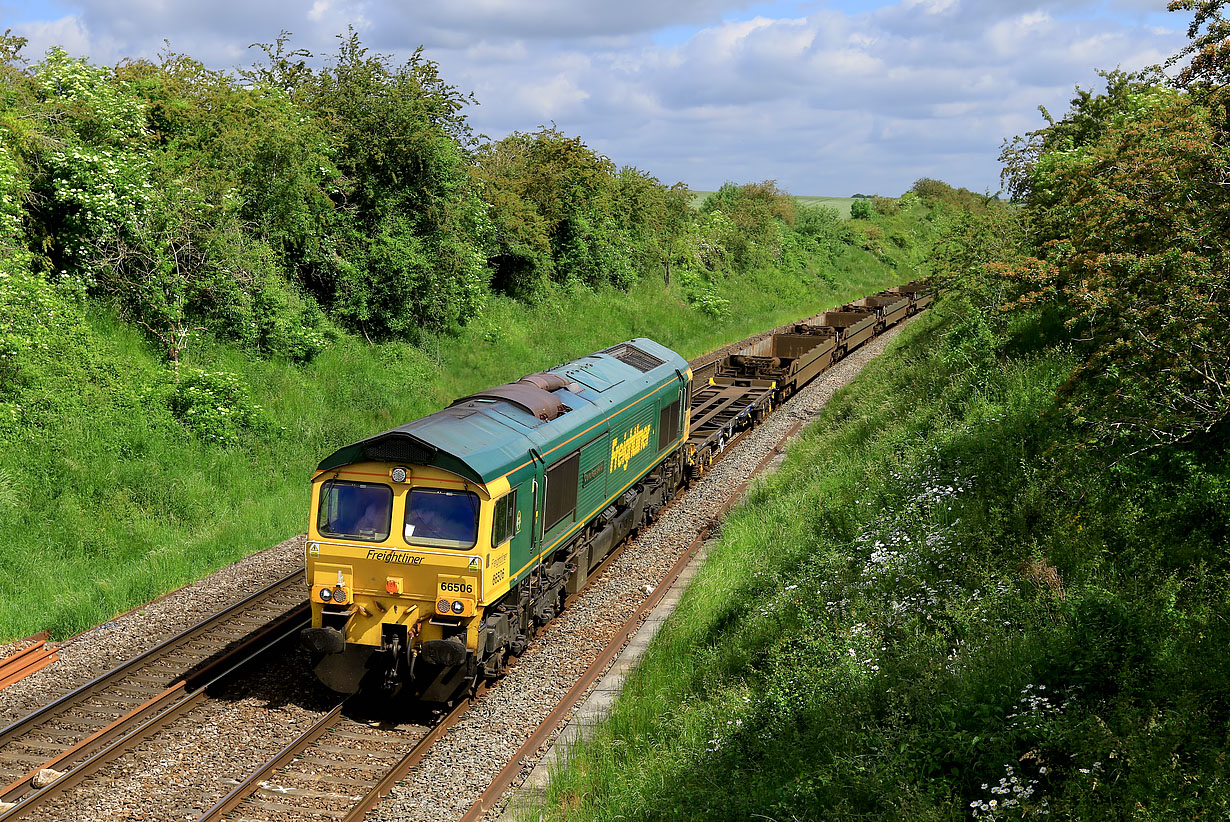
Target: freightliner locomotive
436,549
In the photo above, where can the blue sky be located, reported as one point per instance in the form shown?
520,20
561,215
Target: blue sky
826,97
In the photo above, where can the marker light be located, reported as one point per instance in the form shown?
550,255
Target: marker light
339,594
393,586
458,606
442,606
399,474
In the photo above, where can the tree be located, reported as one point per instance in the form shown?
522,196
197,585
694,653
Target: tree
398,144
757,212
677,215
561,211
1090,116
1209,48
1130,228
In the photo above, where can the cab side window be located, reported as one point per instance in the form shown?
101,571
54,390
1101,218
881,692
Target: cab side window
504,519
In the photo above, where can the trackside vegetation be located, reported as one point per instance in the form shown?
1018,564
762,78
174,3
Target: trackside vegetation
992,580
208,280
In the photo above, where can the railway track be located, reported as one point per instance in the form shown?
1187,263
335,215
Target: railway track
341,766
80,732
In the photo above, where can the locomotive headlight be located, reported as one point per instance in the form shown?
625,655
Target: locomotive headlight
458,606
326,595
442,606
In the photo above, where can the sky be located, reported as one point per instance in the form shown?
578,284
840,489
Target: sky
829,98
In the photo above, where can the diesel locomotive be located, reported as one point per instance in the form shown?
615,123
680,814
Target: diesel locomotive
436,549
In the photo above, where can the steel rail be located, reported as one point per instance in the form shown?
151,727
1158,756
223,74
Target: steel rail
410,760
87,757
103,738
246,788
136,663
120,732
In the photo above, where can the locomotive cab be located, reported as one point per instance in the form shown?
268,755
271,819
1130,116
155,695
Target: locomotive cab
400,566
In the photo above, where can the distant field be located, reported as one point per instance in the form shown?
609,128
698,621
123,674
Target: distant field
842,204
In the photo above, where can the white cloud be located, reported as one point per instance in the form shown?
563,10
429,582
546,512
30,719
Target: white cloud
69,33
823,101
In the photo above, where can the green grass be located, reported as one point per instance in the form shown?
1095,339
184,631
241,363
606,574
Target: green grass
932,595
107,500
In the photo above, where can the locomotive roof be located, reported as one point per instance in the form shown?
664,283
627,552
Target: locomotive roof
487,435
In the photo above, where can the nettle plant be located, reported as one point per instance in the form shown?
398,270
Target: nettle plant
214,405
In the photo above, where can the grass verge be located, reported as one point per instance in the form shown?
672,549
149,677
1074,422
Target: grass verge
936,611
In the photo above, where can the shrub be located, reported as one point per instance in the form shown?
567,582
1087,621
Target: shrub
885,205
861,210
214,405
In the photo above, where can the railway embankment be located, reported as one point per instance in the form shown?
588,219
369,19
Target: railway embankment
938,607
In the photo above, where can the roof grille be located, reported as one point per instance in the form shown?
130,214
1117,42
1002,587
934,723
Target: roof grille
640,360
398,449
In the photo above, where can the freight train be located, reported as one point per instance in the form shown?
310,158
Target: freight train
436,549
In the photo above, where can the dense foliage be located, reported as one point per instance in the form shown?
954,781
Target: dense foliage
278,207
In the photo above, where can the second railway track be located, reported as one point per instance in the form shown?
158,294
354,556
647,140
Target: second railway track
89,725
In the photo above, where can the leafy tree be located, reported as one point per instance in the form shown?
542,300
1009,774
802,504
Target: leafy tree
1209,48
757,213
1130,226
861,210
677,214
398,138
563,212
1090,116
